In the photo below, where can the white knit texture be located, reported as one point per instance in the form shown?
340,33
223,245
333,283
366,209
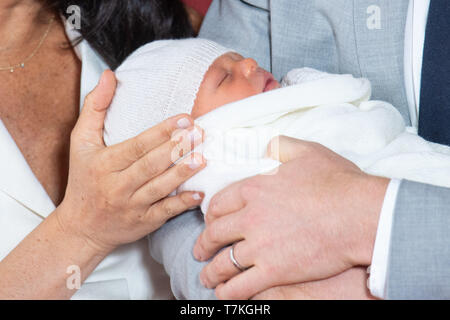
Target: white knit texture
159,80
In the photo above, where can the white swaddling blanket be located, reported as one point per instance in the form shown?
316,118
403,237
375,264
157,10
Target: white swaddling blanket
330,109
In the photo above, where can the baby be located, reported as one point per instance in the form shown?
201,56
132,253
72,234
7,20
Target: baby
231,78
168,77
234,101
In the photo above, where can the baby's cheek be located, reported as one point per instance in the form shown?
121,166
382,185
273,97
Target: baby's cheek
243,90
202,107
196,111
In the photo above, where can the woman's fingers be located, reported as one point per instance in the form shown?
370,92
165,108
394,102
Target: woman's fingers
128,152
222,269
170,207
89,128
161,158
164,184
222,232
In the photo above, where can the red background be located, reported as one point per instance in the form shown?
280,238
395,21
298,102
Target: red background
199,5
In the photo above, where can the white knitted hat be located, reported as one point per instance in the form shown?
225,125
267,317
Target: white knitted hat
159,80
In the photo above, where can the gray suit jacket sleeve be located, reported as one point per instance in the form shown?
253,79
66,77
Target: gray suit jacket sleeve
419,258
172,246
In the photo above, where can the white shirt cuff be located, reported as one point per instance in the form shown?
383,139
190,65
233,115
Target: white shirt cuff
380,259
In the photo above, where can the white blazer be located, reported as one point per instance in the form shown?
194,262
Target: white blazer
127,273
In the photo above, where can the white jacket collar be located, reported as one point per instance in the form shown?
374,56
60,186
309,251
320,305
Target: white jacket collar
92,64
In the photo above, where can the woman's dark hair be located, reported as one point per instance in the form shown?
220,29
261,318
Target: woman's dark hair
115,28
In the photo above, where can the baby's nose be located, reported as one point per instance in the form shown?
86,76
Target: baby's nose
248,66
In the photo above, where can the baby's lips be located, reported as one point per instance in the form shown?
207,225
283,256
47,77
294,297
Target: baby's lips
269,82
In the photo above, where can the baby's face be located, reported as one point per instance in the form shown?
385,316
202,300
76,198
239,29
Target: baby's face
231,78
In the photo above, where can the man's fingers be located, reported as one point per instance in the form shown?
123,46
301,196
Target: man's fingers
89,128
135,148
173,206
244,286
164,184
222,232
279,293
226,201
222,269
160,159
285,149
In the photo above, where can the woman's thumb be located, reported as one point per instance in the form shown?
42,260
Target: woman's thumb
89,127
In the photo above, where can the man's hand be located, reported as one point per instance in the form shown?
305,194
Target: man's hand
349,285
314,219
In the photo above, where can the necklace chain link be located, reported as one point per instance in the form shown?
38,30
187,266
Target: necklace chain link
11,68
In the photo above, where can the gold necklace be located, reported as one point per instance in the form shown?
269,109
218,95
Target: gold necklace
11,68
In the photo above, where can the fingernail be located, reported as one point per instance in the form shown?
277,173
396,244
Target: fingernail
194,163
197,196
183,123
195,135
197,256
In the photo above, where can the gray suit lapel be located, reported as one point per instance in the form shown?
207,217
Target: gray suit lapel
287,19
380,48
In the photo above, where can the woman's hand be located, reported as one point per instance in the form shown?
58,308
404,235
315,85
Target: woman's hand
349,285
313,219
118,194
